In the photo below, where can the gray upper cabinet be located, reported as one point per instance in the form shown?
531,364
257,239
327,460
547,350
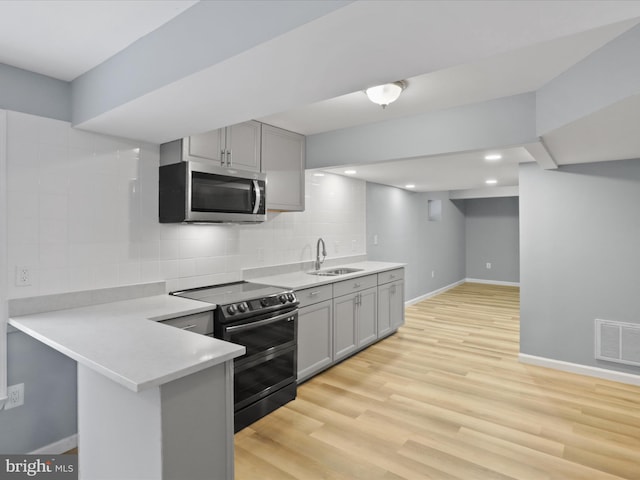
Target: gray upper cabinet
237,146
283,160
243,144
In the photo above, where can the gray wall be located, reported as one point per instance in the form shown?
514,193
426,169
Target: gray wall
49,410
29,92
580,256
492,235
399,219
484,125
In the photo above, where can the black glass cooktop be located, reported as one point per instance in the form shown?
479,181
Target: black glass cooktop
230,292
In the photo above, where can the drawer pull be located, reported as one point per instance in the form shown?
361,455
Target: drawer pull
313,294
356,285
189,327
393,276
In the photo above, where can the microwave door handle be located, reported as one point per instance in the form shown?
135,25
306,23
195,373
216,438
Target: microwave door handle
256,189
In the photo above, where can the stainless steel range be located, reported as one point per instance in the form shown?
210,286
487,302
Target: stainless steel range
264,319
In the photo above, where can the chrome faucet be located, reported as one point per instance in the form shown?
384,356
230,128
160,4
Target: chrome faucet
324,253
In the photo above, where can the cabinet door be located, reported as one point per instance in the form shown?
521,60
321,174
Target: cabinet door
397,305
283,160
384,309
205,146
243,145
315,339
367,316
344,326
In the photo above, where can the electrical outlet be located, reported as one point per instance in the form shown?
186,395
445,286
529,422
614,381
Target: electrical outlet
375,239
488,265
433,274
23,276
16,396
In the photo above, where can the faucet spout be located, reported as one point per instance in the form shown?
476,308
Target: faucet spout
324,253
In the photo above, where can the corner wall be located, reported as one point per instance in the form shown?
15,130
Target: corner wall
492,236
404,234
579,244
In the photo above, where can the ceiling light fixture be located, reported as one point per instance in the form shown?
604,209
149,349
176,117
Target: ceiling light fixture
350,172
385,94
493,156
410,185
491,181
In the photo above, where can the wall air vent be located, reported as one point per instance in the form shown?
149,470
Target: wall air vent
618,342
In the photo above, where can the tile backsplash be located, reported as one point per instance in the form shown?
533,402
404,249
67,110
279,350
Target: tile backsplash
83,214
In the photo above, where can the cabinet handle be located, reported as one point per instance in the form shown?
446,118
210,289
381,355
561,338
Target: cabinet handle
189,327
356,285
229,158
222,158
393,276
313,294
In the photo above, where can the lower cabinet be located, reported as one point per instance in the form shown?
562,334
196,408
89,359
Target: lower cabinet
390,307
336,320
344,319
366,315
315,338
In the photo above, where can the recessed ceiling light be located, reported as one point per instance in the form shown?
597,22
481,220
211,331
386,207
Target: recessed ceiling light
350,172
491,181
318,174
493,156
410,185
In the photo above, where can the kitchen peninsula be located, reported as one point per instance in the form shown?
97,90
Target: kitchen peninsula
139,384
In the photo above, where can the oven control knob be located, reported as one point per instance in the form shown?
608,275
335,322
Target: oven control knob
242,307
231,309
264,302
282,298
290,297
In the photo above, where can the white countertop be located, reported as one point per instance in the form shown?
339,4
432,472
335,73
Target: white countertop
301,279
120,341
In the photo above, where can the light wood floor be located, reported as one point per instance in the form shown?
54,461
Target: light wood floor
445,398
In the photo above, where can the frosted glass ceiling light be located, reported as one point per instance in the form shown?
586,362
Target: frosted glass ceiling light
385,94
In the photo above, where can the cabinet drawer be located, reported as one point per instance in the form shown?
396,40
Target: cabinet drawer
354,285
312,295
198,322
390,276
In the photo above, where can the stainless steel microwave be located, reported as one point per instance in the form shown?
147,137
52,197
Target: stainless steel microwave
195,192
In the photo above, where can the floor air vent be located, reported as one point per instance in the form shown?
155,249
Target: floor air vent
618,342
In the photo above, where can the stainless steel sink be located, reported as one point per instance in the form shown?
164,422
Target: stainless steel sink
334,272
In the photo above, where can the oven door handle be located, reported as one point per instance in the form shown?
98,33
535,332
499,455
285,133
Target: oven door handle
266,321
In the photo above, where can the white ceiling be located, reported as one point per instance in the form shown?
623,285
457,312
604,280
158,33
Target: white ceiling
66,38
459,171
517,71
451,53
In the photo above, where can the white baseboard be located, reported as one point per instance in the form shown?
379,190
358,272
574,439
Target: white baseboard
597,372
432,294
58,447
492,282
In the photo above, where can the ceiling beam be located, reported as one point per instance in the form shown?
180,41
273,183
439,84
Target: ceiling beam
541,154
486,125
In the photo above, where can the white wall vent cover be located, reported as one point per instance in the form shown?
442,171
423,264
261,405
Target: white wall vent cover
618,342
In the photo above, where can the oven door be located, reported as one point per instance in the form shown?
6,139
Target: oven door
270,362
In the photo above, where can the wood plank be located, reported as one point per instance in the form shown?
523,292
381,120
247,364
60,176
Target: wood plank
446,398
